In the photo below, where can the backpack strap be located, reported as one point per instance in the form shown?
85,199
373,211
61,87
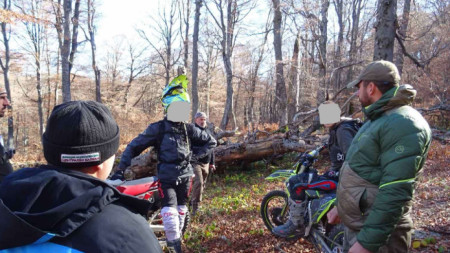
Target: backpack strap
161,133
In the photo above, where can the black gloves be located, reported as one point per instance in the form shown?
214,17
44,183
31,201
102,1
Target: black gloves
117,175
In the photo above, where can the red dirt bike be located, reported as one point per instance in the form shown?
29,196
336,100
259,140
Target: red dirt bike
148,188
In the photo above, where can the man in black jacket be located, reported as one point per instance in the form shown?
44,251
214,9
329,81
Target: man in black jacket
203,166
342,131
5,155
172,139
66,206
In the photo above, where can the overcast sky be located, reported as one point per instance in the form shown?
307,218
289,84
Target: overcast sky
119,17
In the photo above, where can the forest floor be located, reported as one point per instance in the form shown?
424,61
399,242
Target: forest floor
230,220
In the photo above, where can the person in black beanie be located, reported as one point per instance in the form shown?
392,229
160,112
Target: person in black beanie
66,205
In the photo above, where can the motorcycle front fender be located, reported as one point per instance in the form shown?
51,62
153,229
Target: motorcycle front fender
280,174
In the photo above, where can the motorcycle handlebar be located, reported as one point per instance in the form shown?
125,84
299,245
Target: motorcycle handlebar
307,159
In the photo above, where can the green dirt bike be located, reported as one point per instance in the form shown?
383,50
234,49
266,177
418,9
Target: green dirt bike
275,209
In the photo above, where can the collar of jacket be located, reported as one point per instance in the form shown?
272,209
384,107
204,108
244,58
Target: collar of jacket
393,98
202,128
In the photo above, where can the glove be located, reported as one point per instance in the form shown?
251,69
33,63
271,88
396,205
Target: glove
331,174
10,153
212,168
117,175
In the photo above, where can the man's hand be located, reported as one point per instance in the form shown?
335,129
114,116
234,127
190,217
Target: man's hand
212,168
357,248
333,216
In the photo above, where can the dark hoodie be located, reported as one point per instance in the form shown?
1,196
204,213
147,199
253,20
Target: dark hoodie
48,209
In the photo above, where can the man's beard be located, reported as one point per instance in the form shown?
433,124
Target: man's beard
364,99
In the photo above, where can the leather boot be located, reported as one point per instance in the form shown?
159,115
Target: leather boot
296,219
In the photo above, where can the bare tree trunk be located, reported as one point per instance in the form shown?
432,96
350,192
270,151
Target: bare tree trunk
91,30
39,92
210,65
227,31
136,69
74,43
35,32
6,32
60,35
253,79
280,92
293,79
227,114
323,50
385,30
198,5
356,13
58,63
402,33
339,7
49,86
186,38
65,51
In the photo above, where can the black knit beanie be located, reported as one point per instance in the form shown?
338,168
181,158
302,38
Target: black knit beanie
80,134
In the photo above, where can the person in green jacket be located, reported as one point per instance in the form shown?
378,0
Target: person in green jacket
377,180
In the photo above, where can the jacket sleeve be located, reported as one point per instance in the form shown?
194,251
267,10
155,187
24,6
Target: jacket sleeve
403,144
344,137
140,143
206,142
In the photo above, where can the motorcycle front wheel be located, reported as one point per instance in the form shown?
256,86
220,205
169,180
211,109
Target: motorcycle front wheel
274,209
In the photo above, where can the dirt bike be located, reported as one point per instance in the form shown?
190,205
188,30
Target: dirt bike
275,209
148,188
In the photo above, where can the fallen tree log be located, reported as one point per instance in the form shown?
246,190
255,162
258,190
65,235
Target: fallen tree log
258,150
235,153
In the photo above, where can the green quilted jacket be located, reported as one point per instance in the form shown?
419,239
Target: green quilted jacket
377,179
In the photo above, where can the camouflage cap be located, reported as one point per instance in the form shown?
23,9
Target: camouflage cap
383,71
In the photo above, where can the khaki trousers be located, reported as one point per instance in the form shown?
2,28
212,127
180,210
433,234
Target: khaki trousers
201,173
399,241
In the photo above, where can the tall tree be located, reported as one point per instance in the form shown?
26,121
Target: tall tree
254,77
280,90
356,8
90,36
226,22
164,27
399,60
67,39
385,30
198,5
323,39
340,9
136,68
210,61
293,82
4,63
185,16
35,34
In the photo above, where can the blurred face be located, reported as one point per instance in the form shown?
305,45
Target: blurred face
178,111
201,121
4,103
363,94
